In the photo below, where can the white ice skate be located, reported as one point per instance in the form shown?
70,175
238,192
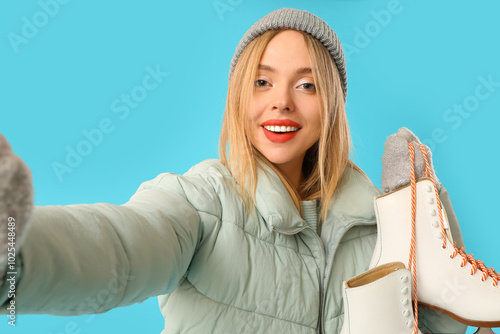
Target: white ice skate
379,301
413,229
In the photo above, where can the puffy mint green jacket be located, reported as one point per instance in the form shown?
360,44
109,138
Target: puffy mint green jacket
216,267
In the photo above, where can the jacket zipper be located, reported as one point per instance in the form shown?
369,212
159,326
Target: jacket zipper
328,271
322,284
322,272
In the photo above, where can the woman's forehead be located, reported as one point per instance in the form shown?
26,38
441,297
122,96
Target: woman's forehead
286,51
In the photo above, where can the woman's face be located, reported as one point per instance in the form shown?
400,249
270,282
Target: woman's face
284,116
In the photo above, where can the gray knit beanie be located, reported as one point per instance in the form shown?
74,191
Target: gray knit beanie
298,20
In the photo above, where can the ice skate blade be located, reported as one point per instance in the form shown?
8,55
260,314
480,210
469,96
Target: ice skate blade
468,322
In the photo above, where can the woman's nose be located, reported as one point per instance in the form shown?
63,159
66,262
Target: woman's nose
283,100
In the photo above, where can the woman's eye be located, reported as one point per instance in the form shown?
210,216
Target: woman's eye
260,83
309,86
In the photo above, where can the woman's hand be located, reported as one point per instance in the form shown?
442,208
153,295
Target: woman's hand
16,202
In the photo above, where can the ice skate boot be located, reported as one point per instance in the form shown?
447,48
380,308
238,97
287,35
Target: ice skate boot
379,301
413,229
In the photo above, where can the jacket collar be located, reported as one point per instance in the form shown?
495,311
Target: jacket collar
352,202
274,203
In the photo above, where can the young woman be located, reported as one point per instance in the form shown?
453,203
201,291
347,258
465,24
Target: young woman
258,242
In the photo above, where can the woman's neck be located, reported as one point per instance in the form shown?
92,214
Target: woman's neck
293,174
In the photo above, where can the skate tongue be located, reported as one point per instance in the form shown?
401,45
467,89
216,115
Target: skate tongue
446,225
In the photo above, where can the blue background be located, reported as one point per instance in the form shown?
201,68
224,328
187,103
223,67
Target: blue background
408,70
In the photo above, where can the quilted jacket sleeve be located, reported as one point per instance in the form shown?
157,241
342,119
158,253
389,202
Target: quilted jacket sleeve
81,259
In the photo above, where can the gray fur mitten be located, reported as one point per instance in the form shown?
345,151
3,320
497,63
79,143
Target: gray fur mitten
396,166
16,201
396,161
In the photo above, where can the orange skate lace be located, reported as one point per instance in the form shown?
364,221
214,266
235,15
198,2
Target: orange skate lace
476,264
412,262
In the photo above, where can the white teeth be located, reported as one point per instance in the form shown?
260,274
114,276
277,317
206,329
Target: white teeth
280,129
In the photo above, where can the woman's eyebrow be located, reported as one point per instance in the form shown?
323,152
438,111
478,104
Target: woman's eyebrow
302,70
266,68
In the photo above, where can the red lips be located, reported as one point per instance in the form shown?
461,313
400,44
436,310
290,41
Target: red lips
280,137
281,122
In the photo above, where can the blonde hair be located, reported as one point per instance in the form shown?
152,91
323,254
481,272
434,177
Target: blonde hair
324,162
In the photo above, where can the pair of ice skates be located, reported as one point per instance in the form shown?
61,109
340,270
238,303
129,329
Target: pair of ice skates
413,230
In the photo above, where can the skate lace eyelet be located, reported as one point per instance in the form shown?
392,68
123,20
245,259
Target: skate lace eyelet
475,265
437,211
